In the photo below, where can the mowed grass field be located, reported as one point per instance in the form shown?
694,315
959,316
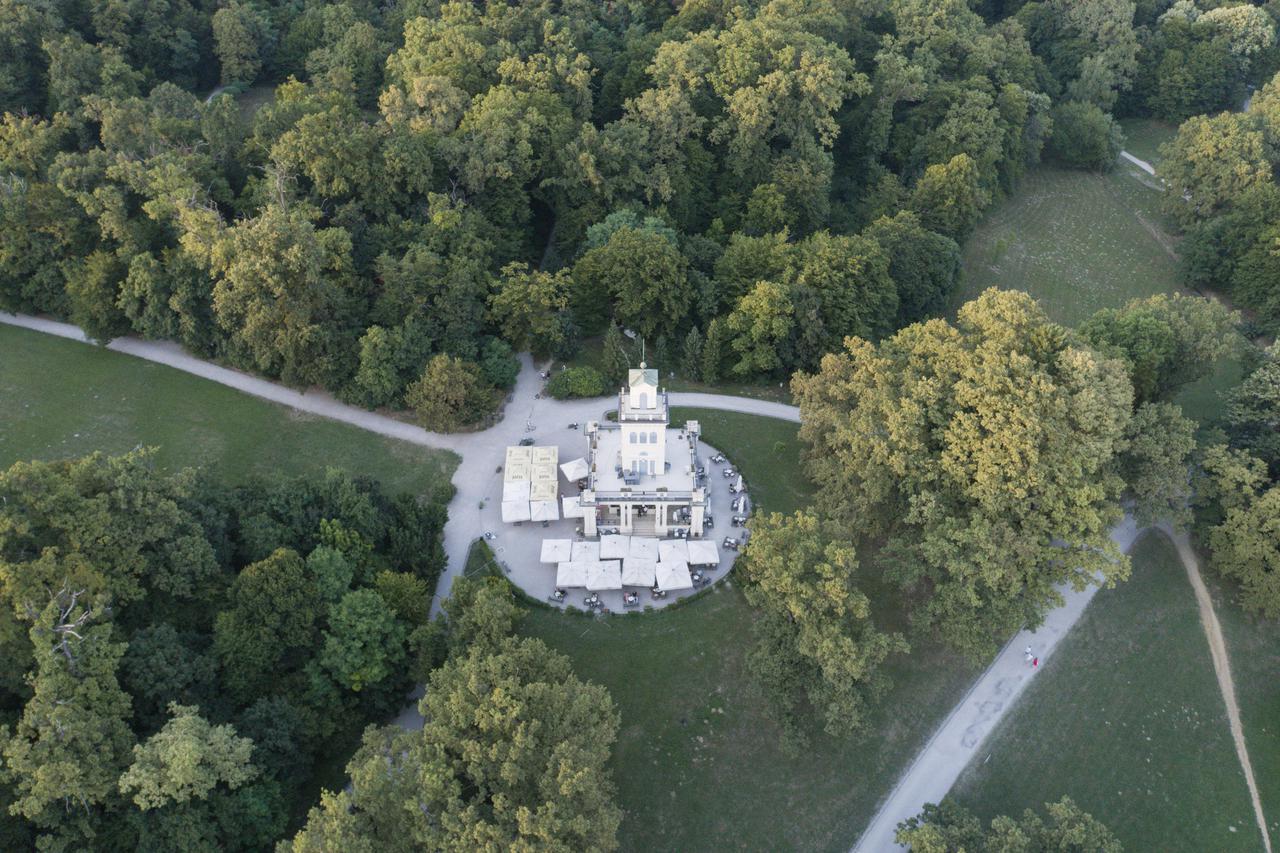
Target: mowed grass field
1077,241
1128,721
60,399
1144,136
698,762
1254,647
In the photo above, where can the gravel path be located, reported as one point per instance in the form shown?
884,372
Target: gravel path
479,452
1141,164
934,770
1222,667
938,765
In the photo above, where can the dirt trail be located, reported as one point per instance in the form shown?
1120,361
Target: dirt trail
1221,666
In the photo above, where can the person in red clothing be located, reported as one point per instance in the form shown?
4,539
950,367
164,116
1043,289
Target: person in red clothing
1035,663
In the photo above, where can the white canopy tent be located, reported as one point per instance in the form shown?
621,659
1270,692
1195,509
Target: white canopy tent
639,571
544,511
738,485
556,551
517,491
703,552
604,575
586,552
614,546
572,508
673,576
513,511
575,469
645,547
673,551
744,508
571,573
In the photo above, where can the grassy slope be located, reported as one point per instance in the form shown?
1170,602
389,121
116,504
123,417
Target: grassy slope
1144,136
59,398
697,763
1077,241
1254,647
1128,721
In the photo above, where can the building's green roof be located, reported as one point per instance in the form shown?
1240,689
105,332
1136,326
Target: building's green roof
643,375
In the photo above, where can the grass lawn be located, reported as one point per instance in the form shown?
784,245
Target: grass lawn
1144,136
61,398
698,763
765,450
1254,647
1077,241
1127,720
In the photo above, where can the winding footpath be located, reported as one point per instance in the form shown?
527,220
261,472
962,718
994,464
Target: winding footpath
933,771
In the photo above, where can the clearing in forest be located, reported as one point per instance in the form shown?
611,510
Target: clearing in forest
61,398
1127,720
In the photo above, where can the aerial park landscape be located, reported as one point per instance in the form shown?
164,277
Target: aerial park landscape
438,426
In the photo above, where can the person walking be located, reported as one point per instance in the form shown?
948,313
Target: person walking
1026,654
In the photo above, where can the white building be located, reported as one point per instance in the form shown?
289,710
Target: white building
642,474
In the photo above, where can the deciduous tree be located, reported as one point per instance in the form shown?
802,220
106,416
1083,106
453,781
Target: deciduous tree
984,452
816,641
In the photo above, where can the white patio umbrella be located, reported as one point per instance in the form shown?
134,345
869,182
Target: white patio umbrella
673,551
556,551
703,552
673,576
517,491
586,552
544,511
572,507
738,485
604,575
644,546
639,571
571,573
513,511
575,469
614,546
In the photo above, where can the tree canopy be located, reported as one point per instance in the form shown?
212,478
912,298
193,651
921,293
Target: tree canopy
984,452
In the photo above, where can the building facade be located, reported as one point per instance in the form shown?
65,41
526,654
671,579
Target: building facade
643,473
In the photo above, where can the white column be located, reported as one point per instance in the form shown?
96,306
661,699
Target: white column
589,523
626,518
660,511
695,526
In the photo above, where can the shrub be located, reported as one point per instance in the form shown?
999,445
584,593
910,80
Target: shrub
576,382
1084,137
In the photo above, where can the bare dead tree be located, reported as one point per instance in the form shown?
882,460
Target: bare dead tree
70,617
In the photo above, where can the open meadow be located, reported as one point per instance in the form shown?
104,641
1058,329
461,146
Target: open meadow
61,398
698,761
1077,241
1127,720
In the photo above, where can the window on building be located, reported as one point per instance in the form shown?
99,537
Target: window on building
633,438
644,400
644,439
653,438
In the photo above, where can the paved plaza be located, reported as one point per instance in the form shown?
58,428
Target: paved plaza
518,548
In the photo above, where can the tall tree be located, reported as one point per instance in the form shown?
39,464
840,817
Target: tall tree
73,739
513,754
984,452
949,828
815,639
186,760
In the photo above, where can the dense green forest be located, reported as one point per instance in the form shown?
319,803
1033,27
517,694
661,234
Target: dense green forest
449,181
392,200
183,659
